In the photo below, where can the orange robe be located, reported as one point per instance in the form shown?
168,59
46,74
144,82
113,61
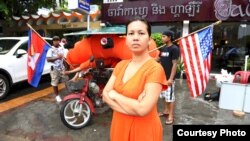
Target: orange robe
136,128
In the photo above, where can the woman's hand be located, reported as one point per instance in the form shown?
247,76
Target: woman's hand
112,94
141,96
108,95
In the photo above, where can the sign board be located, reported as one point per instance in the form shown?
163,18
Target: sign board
80,6
112,1
235,96
176,10
232,96
93,9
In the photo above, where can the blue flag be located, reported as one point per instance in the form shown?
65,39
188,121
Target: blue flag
37,50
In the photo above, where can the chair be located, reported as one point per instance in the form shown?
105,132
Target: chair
243,75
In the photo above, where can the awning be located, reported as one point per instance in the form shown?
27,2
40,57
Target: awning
103,30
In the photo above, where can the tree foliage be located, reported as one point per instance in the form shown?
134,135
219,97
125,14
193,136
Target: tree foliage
9,8
157,39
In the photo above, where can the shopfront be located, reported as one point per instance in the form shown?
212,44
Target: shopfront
231,38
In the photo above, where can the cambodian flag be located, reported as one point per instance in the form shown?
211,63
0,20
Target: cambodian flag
37,50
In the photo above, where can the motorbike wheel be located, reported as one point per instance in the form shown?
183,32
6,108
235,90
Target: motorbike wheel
75,115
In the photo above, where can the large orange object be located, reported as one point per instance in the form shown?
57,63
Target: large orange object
85,48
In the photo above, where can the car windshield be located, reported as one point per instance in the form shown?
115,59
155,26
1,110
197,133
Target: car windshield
6,45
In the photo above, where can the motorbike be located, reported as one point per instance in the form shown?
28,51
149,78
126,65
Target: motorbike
85,95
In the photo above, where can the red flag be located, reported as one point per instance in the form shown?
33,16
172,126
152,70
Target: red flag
37,50
196,50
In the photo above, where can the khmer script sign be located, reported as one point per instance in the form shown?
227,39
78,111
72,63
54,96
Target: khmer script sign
162,10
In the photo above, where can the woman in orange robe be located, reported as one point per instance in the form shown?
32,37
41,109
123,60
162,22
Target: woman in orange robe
134,88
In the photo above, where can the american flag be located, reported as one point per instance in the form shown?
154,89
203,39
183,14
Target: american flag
196,50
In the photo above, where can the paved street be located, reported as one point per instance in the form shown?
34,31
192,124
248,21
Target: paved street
39,120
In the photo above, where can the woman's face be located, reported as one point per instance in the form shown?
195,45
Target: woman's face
137,38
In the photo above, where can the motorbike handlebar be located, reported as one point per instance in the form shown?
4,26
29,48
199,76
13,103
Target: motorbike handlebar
83,73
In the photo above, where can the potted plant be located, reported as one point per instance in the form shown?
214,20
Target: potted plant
157,38
180,71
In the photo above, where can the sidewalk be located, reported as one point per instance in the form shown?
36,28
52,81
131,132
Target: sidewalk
40,120
198,111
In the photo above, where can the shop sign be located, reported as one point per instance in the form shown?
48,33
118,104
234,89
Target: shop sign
163,11
226,9
81,6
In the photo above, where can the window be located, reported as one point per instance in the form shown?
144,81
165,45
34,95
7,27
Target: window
24,46
6,45
231,44
175,27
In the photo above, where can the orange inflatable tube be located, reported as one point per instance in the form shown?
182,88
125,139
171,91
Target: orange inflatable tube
94,45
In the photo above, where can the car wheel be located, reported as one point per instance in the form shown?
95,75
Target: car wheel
4,86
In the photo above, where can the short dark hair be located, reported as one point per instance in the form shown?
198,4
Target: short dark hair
169,33
56,38
142,20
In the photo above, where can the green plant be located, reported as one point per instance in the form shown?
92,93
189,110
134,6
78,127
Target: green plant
157,38
180,66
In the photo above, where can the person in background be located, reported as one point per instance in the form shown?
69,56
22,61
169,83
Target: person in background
63,43
55,55
134,88
169,55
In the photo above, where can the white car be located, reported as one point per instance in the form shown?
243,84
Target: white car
13,62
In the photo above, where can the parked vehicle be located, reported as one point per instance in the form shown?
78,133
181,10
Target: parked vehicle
84,96
13,62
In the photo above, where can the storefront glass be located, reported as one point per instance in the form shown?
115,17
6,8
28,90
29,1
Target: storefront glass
176,27
231,45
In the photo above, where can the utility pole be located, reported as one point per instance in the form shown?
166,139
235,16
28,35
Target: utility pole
57,4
